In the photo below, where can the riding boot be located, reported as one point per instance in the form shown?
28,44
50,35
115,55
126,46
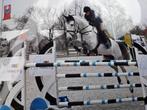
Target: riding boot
105,40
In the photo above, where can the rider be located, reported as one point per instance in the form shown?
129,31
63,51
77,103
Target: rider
96,22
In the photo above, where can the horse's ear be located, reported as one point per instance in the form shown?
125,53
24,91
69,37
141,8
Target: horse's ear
70,16
66,17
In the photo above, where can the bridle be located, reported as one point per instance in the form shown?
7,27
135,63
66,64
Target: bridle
77,30
85,32
81,31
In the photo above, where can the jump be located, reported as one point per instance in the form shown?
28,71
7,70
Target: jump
79,28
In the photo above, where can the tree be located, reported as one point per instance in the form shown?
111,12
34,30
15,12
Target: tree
137,30
116,20
21,21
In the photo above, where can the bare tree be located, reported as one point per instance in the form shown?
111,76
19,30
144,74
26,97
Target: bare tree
137,30
21,21
76,8
116,21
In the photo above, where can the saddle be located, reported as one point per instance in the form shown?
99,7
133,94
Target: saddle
102,38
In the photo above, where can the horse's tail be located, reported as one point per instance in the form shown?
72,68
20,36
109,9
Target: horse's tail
124,50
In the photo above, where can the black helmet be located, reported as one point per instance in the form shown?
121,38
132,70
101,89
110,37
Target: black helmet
86,9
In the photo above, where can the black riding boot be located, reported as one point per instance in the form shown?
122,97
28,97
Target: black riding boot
104,39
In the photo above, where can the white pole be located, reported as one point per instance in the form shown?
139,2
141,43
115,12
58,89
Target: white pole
1,17
143,82
24,74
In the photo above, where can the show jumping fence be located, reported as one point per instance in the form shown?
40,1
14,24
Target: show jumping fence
79,63
85,63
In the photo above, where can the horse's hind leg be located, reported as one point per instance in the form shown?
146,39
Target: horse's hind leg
116,69
128,82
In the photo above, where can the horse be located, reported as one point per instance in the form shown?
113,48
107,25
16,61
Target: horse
76,25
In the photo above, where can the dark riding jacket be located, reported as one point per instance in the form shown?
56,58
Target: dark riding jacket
96,22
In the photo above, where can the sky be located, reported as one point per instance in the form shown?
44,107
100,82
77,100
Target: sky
132,8
19,6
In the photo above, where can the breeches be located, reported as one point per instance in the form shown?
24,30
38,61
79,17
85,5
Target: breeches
102,37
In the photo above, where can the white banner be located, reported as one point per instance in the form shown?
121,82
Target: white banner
142,64
11,68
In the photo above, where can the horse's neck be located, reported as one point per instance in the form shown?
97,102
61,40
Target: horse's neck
81,22
90,37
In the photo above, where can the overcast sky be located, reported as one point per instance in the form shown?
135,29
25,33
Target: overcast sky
132,8
19,6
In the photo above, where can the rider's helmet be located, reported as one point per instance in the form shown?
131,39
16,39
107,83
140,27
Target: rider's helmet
86,9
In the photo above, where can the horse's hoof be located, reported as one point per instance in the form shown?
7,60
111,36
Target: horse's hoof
119,80
131,90
128,82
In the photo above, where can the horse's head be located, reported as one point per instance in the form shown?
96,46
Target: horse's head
80,29
77,25
70,26
69,18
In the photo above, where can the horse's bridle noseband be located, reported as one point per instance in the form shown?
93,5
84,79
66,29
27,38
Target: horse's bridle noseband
82,33
78,30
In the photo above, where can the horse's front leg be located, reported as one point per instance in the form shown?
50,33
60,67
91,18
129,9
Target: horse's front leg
124,70
113,67
128,82
116,70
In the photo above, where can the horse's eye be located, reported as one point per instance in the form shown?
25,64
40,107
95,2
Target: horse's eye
72,25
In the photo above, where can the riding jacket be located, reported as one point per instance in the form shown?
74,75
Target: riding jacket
96,22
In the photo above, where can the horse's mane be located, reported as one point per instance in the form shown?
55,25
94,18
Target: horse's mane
80,19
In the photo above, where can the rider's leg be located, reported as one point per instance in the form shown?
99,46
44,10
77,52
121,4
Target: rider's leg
104,39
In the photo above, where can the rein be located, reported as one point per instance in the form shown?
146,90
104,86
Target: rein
82,33
83,28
